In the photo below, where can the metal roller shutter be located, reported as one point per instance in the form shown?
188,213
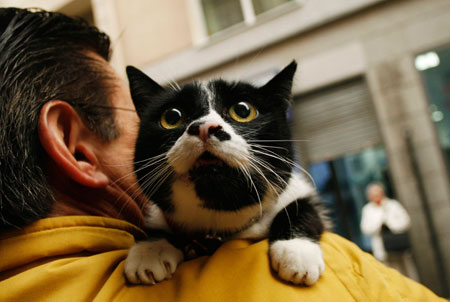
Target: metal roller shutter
335,121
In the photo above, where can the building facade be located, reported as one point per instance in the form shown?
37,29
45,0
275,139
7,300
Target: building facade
371,95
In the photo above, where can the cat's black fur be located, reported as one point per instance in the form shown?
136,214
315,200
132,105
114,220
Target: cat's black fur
221,187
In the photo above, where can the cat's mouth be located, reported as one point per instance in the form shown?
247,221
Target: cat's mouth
207,158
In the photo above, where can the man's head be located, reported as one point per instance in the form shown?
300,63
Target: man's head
47,61
375,193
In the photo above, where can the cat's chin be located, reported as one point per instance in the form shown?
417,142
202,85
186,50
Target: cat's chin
207,159
207,167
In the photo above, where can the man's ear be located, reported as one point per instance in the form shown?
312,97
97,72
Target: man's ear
70,145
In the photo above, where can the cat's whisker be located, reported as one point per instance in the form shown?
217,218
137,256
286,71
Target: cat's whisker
266,146
153,177
175,83
254,164
146,165
161,181
119,165
308,175
157,183
155,174
244,171
269,168
156,160
149,164
249,134
287,161
275,140
120,179
273,155
174,87
150,161
172,83
131,197
252,184
270,186
289,218
143,189
277,187
136,162
134,194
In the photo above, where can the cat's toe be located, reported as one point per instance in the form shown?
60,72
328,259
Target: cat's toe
298,261
149,262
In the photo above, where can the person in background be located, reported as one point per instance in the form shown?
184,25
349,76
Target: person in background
70,208
382,211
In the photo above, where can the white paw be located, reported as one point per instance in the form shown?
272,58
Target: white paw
149,262
297,260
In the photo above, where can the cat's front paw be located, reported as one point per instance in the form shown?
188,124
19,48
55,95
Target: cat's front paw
149,262
297,260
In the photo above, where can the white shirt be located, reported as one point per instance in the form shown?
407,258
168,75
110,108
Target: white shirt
389,213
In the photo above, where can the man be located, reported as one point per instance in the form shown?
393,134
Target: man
70,208
49,61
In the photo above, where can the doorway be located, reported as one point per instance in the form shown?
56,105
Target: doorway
342,184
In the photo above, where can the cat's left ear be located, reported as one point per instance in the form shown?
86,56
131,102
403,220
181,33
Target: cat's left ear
281,83
142,88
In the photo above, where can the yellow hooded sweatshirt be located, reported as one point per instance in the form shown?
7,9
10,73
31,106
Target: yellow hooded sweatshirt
80,258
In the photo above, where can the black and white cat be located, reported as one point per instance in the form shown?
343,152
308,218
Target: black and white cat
216,159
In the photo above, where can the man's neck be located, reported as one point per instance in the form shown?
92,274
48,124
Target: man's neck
107,202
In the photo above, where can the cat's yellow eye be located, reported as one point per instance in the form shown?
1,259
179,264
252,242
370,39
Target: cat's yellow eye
171,118
243,112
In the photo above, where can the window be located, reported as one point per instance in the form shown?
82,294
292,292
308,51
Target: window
261,6
434,67
223,14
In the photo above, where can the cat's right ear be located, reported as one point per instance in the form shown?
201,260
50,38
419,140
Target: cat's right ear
142,88
281,84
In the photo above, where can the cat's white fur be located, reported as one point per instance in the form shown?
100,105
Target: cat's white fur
154,219
297,260
149,262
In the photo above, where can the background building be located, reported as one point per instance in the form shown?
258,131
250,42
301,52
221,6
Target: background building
372,93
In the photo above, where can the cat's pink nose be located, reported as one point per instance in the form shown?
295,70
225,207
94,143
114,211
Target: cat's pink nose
206,130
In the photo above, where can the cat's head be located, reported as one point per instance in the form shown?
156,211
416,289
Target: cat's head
214,146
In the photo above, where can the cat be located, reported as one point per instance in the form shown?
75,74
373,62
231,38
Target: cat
217,161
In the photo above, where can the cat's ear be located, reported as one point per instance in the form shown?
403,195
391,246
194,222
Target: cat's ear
142,87
281,83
